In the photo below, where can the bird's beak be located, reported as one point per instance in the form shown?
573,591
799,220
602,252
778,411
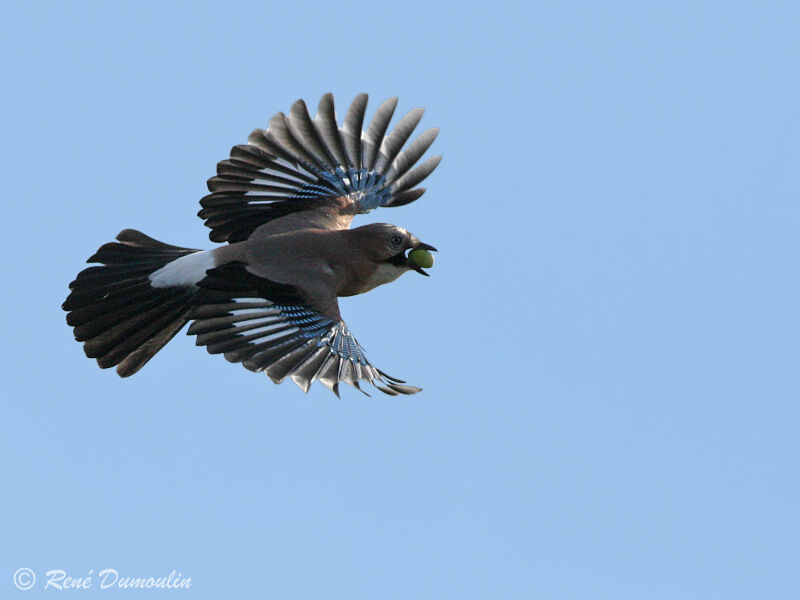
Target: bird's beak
418,269
420,246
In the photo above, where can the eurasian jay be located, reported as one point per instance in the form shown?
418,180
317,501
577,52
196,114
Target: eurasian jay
283,202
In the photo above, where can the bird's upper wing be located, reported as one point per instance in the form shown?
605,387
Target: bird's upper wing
275,328
313,166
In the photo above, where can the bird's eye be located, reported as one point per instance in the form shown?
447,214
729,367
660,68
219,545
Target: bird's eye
396,240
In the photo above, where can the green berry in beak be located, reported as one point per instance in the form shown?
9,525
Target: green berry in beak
421,258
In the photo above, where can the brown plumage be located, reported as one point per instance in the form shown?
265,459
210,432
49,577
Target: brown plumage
284,203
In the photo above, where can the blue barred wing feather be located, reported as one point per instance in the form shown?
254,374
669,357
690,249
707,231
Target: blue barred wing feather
270,327
300,164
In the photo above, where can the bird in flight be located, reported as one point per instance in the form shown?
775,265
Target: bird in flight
268,299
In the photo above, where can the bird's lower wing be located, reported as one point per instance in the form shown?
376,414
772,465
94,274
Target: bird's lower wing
269,327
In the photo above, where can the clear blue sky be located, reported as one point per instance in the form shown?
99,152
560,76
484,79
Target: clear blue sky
609,342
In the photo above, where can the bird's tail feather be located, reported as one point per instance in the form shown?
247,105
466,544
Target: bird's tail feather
115,311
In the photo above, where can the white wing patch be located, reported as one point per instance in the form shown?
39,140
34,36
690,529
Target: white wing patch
185,271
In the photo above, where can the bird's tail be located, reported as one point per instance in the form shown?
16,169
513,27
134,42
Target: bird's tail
121,318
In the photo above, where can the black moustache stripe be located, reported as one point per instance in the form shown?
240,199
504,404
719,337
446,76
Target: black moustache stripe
398,259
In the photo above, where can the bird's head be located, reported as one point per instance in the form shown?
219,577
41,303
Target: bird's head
395,248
